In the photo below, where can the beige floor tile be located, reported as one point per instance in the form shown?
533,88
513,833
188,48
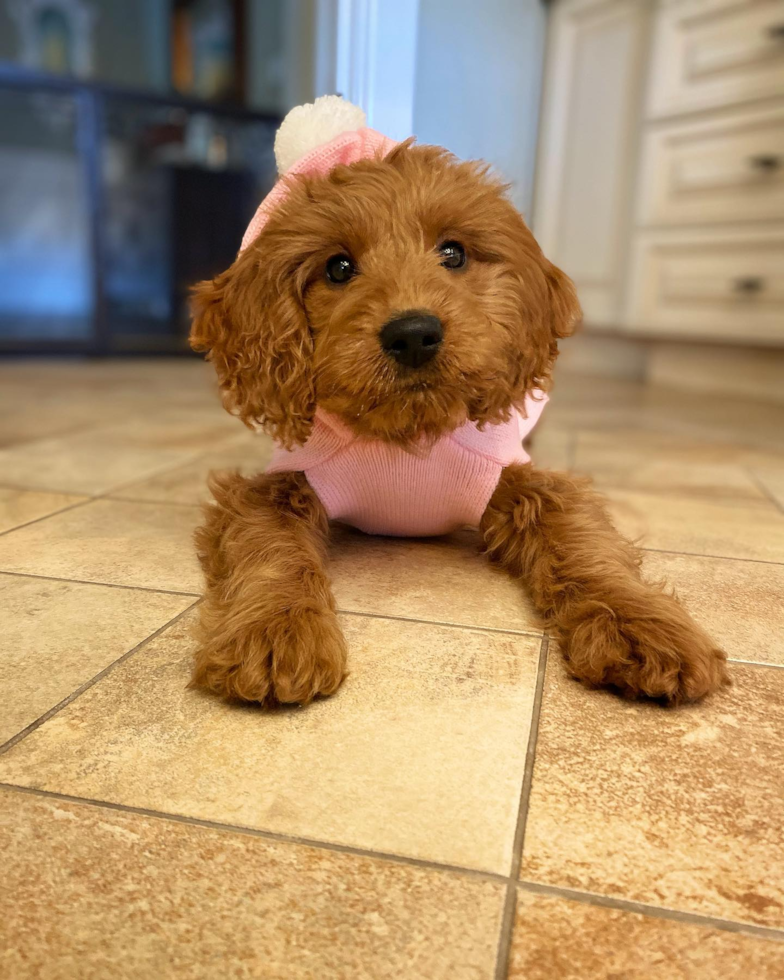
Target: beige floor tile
557,939
20,424
90,373
22,506
97,893
726,528
110,541
581,401
191,429
663,463
626,446
578,414
740,603
701,480
88,428
702,415
551,447
90,462
603,403
188,484
44,411
57,635
674,807
420,753
671,477
438,579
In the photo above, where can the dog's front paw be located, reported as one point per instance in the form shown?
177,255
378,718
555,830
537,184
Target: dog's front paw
294,657
308,656
661,653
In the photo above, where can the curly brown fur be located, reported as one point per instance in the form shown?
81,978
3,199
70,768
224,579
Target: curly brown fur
616,630
268,630
284,339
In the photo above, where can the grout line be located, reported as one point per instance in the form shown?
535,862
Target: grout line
528,773
89,499
114,492
54,513
105,585
344,612
507,921
697,554
754,663
270,835
26,488
195,456
584,897
440,622
653,911
158,503
29,729
187,459
79,428
513,884
118,492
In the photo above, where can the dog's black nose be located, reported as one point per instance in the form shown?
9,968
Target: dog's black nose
412,339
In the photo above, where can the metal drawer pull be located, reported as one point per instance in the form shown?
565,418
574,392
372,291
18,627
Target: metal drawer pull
775,32
767,162
748,285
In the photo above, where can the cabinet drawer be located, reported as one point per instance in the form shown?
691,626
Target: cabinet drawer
704,286
708,54
727,170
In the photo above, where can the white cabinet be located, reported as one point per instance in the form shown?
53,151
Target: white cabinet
660,186
713,53
696,283
717,170
592,90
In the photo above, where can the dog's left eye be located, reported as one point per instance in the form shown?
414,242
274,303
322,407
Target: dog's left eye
340,269
452,255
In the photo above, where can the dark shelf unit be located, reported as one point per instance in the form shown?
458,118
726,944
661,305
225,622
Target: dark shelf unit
195,208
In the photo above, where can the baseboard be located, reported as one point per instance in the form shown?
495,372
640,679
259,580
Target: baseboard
751,372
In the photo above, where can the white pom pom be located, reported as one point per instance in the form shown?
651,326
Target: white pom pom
308,126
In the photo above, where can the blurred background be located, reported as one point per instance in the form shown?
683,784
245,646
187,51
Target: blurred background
644,141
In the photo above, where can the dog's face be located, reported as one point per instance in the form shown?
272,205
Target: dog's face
405,295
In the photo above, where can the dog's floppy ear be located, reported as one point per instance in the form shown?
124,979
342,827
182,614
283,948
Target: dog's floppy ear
565,312
548,310
251,320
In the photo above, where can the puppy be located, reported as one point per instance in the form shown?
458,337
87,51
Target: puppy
393,324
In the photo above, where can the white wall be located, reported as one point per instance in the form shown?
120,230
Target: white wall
478,83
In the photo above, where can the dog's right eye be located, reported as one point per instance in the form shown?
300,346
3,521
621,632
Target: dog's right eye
340,269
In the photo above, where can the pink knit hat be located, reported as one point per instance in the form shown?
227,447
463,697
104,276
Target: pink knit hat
313,139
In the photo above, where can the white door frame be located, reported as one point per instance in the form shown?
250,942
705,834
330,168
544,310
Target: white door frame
366,51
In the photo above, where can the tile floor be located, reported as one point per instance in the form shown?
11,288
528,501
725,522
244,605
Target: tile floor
461,809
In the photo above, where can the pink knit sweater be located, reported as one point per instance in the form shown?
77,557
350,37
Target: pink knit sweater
383,489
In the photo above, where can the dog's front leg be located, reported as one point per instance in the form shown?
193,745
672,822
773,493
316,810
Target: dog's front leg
615,629
268,629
